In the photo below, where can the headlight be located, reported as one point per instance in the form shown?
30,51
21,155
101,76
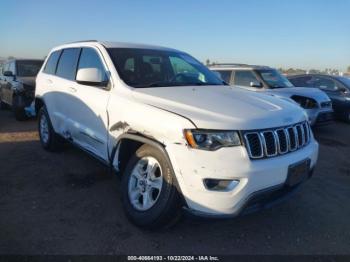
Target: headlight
211,140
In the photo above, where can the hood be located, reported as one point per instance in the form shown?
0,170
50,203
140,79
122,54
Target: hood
29,82
222,107
314,93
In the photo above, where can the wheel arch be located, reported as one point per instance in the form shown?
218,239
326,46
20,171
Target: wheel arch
39,103
127,145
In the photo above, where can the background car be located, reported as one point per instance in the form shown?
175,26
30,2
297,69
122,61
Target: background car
336,87
316,103
17,84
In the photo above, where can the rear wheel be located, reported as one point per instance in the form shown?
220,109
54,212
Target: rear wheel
149,191
50,141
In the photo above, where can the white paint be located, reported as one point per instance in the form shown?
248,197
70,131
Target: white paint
87,113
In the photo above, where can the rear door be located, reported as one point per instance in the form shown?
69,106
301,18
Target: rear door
45,86
88,110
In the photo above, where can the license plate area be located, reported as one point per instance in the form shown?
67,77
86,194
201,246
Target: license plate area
298,172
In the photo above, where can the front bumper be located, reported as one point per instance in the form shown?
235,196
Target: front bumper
193,166
319,116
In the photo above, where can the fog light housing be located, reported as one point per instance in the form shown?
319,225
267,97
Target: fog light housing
223,185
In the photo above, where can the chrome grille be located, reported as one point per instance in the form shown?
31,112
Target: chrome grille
279,141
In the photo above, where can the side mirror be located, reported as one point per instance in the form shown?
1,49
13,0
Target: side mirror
255,84
9,74
91,76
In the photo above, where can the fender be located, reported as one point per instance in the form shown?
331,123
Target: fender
139,138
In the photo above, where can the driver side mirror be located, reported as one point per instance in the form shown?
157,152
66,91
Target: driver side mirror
91,76
255,84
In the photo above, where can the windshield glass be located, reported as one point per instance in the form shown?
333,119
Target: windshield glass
28,68
143,68
274,79
345,81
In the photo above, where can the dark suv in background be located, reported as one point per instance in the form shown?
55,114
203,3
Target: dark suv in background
336,87
17,84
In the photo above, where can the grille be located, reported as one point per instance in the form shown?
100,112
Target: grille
326,104
270,143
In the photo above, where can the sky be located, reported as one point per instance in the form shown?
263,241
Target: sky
280,33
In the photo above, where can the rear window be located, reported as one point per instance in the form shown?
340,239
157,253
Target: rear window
67,66
51,64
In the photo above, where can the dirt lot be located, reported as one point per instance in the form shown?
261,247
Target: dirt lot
68,203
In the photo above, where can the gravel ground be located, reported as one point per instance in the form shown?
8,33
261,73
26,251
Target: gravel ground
68,203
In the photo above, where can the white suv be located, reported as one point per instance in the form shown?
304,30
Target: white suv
178,136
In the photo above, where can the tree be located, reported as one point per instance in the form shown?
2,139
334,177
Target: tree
348,69
207,62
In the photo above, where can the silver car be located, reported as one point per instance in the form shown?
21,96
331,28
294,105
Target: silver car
315,102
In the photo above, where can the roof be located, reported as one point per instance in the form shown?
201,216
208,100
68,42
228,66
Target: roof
108,44
237,66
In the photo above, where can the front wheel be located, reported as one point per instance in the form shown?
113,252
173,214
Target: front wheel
149,191
50,141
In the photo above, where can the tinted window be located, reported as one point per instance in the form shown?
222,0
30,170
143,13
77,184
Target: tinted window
302,81
225,75
243,78
51,64
68,63
28,68
157,68
324,83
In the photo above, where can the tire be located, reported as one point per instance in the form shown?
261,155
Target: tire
49,140
20,113
166,208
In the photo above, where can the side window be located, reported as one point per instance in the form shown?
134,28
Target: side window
302,81
51,64
243,78
225,75
67,65
12,67
90,59
325,83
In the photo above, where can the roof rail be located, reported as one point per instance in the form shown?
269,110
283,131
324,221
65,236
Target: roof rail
82,41
229,64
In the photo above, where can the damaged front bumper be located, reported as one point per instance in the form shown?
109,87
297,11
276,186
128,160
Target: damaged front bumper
193,167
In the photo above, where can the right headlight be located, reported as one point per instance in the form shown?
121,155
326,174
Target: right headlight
211,139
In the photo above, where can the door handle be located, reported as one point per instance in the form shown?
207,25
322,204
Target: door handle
72,89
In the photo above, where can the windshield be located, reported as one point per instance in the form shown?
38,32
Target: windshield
143,68
345,81
28,68
274,79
